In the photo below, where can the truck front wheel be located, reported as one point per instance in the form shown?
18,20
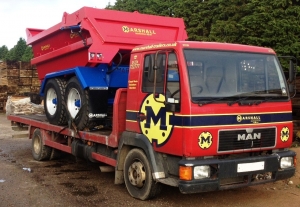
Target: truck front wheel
77,99
39,150
138,176
54,101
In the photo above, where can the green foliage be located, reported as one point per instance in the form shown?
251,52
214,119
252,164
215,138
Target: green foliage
274,24
20,52
3,52
28,55
156,7
11,54
20,49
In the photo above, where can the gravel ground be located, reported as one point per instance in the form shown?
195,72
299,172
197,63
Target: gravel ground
73,182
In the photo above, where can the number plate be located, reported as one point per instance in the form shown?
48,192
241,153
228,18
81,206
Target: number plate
248,167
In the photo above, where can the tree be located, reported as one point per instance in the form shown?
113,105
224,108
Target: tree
3,52
28,55
266,23
11,54
20,52
20,49
155,7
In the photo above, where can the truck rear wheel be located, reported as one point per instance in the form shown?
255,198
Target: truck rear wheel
77,99
39,150
138,176
54,101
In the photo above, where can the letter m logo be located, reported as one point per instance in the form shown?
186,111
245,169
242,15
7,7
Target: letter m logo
160,116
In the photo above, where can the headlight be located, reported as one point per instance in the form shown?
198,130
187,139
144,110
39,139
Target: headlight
201,172
286,162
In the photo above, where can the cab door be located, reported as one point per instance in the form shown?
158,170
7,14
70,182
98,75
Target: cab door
160,100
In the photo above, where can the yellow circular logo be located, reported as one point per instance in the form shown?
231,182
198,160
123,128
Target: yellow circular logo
205,140
285,134
239,118
156,124
125,29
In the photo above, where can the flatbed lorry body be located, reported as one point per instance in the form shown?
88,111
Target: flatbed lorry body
201,116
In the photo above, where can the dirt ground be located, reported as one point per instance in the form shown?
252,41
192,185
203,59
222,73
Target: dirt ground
72,182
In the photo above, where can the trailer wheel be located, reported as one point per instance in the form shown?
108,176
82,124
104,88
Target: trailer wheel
39,151
138,176
77,99
54,101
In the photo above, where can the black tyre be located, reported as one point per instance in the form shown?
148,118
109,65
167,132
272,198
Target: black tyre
77,100
54,99
138,176
39,150
55,154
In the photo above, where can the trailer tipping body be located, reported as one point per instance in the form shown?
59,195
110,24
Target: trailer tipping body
91,36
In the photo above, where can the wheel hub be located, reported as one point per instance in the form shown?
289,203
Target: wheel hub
36,146
51,101
137,174
73,102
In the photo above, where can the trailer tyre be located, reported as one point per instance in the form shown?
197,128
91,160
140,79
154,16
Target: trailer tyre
77,101
138,176
54,101
39,150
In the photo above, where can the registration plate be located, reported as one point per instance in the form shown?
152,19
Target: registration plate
249,167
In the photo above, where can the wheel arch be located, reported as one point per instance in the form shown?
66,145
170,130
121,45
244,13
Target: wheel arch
55,75
85,75
130,140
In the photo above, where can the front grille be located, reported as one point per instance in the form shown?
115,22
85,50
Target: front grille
240,139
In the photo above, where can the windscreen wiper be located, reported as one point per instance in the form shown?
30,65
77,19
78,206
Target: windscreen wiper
241,97
237,101
202,103
265,100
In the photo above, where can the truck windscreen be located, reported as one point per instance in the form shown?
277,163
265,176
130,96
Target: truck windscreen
227,76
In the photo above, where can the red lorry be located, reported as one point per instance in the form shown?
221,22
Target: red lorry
127,90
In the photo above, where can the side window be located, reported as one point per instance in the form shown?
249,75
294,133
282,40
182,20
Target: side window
148,73
147,86
173,86
173,76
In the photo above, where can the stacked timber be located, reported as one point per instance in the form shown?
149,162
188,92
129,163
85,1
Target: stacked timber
18,79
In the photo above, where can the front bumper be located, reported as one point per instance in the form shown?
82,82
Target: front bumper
226,175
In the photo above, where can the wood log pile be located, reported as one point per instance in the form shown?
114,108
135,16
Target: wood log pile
18,79
22,105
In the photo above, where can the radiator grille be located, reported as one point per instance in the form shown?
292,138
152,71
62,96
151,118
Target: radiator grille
237,140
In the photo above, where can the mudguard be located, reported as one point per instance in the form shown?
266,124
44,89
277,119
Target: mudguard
93,78
141,141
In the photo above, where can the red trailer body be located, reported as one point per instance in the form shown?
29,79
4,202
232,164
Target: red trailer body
104,32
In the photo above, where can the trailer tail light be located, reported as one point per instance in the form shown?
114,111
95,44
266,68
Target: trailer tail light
99,56
91,56
185,172
95,56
